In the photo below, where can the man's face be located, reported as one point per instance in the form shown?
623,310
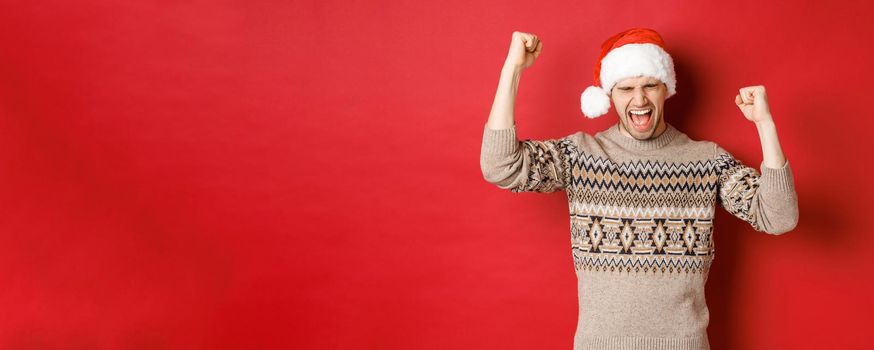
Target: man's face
640,94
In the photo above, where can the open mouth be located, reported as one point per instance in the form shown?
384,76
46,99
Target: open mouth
641,119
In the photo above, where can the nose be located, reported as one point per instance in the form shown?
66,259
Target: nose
639,98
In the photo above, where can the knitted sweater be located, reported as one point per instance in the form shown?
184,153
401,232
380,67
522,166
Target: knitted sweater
641,219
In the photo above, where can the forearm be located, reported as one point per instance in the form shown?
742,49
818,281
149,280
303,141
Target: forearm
775,206
772,154
501,115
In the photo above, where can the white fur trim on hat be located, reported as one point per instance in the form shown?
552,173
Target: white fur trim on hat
634,60
594,102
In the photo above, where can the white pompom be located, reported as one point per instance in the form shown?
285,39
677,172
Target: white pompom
594,102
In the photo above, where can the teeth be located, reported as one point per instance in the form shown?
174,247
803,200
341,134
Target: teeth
640,112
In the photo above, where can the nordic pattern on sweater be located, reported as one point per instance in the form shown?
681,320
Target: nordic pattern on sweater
638,209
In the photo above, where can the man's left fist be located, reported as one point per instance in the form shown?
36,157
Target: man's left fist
753,102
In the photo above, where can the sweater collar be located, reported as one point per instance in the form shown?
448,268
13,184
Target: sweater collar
628,142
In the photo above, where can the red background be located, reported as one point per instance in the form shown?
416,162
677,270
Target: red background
305,174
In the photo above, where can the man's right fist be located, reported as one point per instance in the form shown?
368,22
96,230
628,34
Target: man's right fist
524,49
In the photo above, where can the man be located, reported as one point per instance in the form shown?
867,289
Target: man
641,193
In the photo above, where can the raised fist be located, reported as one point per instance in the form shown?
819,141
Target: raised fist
753,103
524,49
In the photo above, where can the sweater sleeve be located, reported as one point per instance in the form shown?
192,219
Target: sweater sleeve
766,200
524,166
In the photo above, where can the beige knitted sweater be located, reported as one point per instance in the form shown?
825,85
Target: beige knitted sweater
641,219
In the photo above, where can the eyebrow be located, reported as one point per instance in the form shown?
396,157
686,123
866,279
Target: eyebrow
647,84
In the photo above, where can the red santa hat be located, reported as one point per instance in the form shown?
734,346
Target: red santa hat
632,53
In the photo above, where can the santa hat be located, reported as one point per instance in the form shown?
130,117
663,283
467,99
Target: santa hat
632,53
